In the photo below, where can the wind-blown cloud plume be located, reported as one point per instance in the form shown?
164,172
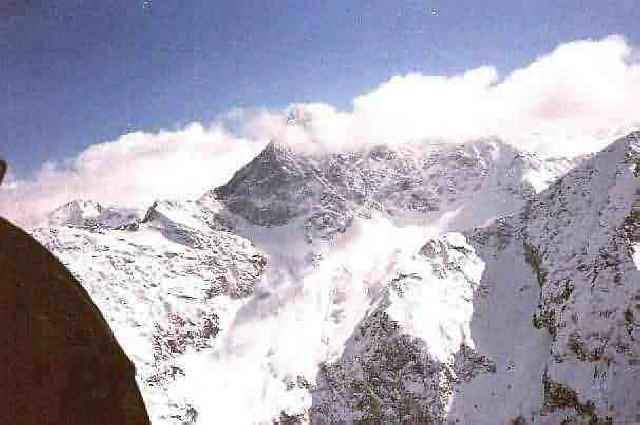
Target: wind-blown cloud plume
574,100
569,102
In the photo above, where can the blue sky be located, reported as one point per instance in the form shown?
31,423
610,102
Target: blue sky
80,72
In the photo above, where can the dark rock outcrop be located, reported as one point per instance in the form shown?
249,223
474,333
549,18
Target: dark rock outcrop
61,364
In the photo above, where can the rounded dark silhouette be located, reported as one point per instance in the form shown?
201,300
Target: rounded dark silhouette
61,364
3,169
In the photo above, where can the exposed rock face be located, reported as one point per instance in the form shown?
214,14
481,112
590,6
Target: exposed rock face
583,233
403,360
552,317
408,181
61,364
442,284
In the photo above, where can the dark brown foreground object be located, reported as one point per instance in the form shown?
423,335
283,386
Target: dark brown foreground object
59,361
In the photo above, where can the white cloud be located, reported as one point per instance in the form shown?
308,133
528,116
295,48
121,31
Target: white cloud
132,171
573,100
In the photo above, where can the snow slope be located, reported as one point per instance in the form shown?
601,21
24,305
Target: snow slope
165,283
378,286
551,330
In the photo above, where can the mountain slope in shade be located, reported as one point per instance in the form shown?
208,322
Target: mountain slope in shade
353,288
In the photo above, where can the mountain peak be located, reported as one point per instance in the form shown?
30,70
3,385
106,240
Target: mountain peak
545,253
76,212
421,181
91,214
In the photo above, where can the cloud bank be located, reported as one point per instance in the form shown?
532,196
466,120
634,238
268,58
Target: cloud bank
133,171
574,100
571,101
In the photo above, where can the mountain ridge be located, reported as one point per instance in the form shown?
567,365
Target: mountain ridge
342,242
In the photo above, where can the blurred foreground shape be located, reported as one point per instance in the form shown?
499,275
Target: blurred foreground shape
61,364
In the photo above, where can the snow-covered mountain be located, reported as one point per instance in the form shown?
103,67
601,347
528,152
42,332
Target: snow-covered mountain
439,283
